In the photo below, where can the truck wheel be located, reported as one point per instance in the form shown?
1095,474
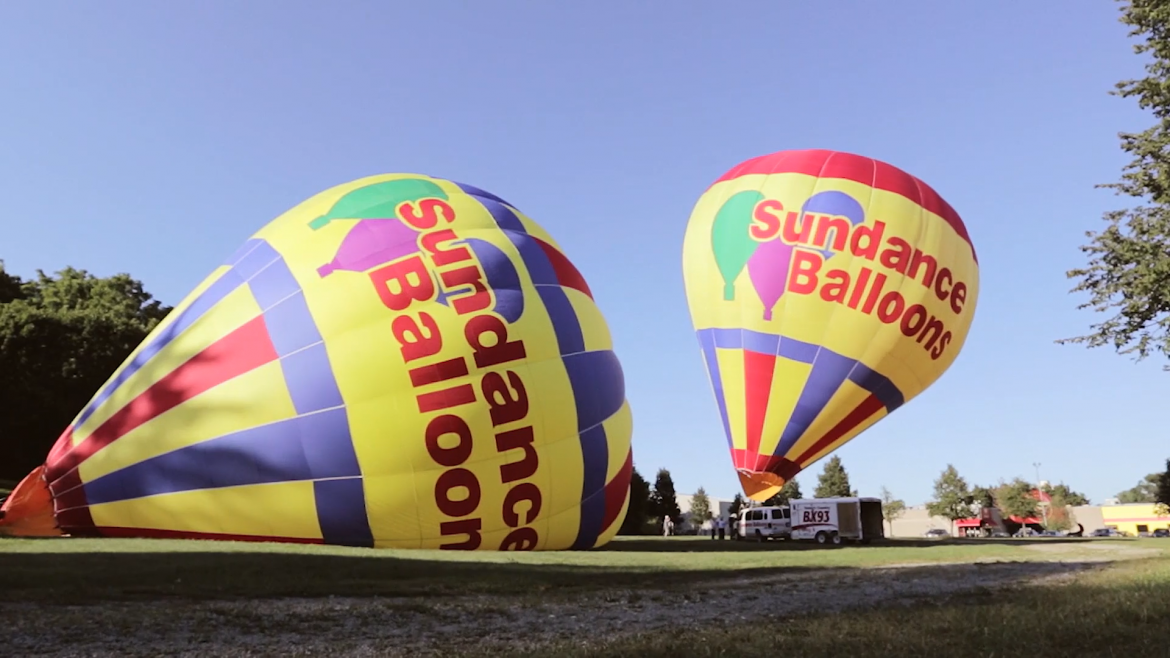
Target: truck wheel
822,537
836,538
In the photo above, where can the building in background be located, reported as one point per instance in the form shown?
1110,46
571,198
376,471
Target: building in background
1134,518
720,507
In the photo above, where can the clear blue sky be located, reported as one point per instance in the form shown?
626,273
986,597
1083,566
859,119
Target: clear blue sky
153,138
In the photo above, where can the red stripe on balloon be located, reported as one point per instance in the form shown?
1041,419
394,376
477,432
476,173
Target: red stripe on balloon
860,169
567,274
752,461
870,406
758,370
68,492
77,522
239,352
63,445
617,491
758,463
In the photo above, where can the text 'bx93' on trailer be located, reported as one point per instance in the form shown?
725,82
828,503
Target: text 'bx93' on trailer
834,520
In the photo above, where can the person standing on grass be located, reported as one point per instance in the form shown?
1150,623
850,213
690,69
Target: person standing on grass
722,528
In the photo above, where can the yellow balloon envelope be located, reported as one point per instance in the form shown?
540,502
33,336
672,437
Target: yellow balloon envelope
827,289
400,361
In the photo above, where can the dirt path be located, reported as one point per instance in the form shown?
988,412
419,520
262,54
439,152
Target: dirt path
424,627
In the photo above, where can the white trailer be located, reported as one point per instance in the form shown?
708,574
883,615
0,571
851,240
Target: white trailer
834,520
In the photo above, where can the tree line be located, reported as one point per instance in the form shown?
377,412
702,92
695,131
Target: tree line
61,337
1154,488
954,499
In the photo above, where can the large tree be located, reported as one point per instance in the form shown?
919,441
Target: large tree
11,287
638,510
700,508
1017,498
1146,491
982,496
833,482
1059,516
737,504
1128,273
664,500
61,337
1066,495
1163,495
952,498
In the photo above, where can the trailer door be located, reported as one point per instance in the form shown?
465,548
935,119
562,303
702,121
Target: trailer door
872,521
848,519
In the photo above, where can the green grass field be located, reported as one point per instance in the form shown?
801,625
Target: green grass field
1120,609
111,569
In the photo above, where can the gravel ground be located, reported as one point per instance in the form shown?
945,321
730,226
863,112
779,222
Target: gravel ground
483,624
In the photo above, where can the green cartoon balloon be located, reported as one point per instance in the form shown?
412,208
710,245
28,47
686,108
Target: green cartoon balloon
730,240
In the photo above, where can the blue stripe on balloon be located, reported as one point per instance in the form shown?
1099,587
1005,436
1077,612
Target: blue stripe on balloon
566,324
880,386
214,294
707,345
341,511
592,376
477,192
829,371
299,448
595,377
310,391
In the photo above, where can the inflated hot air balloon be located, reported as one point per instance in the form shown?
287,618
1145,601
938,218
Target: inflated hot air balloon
827,289
400,361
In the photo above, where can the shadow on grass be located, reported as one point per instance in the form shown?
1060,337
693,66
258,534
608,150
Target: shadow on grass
110,575
140,571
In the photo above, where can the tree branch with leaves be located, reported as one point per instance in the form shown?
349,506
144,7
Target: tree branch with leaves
952,497
892,508
1128,273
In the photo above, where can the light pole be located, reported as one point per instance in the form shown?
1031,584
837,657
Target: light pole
1039,493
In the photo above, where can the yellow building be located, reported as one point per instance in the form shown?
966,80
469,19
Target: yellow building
1134,518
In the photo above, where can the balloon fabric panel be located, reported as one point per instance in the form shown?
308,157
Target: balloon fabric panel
400,361
826,290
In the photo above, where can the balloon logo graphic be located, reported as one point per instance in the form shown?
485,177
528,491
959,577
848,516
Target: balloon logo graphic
860,287
400,361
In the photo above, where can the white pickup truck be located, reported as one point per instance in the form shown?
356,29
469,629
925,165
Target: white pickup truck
834,520
762,523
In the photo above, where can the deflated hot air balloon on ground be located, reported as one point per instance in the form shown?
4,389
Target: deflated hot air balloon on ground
827,289
400,361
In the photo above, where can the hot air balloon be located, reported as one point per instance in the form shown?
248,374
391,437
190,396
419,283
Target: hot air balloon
400,361
827,289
